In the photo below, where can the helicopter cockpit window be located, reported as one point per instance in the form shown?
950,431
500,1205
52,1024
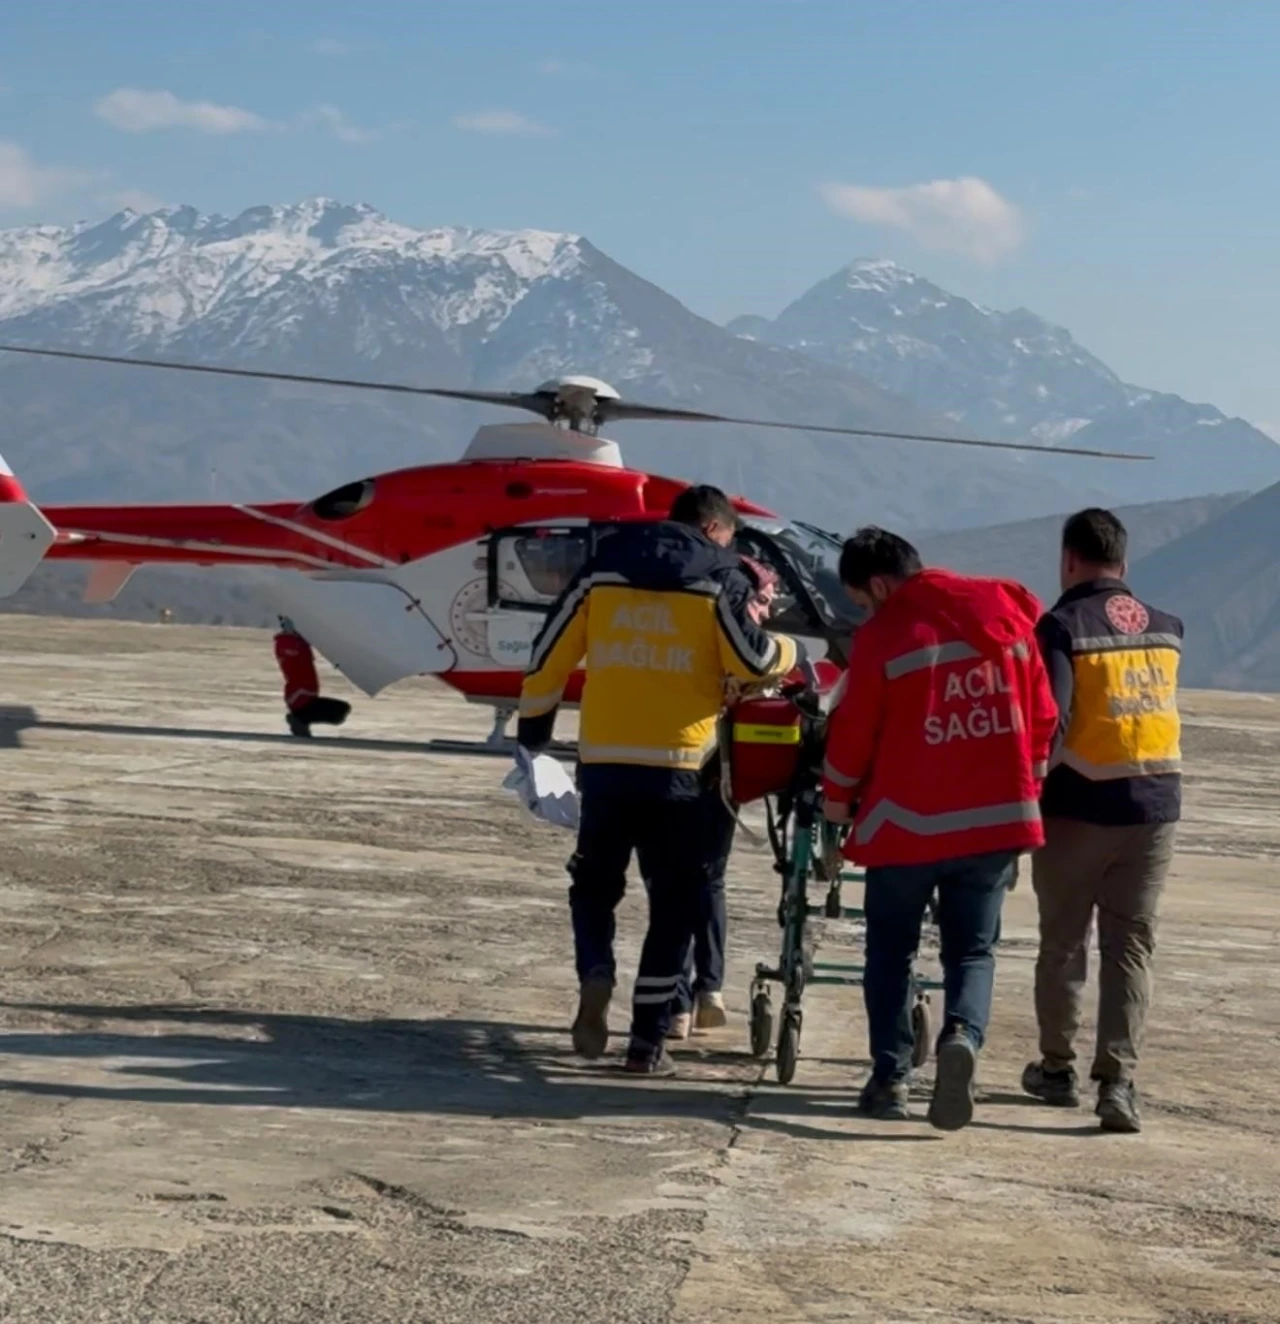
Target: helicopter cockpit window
821,553
789,611
536,567
810,581
345,501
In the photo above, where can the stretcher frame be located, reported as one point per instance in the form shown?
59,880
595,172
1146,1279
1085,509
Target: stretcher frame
806,849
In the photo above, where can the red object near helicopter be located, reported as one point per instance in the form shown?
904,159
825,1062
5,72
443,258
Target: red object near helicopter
444,570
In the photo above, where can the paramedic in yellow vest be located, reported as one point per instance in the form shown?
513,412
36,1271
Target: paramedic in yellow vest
660,616
1111,804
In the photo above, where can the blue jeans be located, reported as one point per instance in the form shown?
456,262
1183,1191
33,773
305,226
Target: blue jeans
971,893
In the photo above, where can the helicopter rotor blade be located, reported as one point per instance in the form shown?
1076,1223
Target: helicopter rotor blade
515,399
544,403
624,409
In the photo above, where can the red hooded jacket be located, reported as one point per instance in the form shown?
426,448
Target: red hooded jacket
943,731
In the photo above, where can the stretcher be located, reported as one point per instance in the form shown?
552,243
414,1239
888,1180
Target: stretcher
772,752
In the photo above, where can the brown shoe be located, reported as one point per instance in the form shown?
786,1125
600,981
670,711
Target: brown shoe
591,1026
709,1012
681,1023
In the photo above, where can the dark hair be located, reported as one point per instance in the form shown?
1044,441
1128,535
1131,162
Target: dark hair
1097,537
872,552
702,504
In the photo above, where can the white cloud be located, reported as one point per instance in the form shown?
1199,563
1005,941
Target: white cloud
1272,430
552,68
329,46
501,121
23,183
135,199
331,118
965,216
135,111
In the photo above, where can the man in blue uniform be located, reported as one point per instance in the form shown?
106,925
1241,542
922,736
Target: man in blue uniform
659,616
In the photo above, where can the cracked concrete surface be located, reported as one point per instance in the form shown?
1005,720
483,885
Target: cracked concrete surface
282,1038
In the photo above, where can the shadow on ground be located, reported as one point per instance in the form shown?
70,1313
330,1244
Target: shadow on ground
15,720
230,1058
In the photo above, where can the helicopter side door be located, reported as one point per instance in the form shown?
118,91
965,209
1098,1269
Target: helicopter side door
529,566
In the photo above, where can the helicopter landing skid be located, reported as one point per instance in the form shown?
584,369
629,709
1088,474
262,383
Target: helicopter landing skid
497,737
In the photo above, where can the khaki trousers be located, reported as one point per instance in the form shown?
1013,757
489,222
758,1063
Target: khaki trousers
1119,873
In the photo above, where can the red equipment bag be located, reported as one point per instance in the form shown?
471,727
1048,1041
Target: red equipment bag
762,742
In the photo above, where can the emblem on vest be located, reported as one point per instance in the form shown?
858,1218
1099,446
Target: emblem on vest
1127,614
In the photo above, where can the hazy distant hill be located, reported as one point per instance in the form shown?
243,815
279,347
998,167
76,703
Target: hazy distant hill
195,597
1028,550
1223,578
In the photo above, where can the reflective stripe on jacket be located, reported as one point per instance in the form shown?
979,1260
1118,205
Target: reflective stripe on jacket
1114,663
943,731
660,618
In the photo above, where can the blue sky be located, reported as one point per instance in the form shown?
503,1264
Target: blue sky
1113,166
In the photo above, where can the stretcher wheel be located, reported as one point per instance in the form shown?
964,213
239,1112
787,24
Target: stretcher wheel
788,1047
922,1030
761,1024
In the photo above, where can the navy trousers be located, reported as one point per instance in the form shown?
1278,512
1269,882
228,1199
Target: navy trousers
704,964
682,847
971,894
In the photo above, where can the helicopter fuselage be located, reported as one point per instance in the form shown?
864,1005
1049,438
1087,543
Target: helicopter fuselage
442,570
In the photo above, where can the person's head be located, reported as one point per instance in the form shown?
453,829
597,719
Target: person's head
1094,546
874,563
707,508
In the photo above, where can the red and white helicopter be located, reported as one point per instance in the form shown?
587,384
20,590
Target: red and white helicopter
444,570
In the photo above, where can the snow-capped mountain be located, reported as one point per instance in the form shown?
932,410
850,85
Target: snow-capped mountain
1011,375
179,279
322,287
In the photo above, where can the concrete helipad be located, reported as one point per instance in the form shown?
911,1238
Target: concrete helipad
282,1038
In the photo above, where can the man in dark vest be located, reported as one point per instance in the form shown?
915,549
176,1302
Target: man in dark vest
1111,805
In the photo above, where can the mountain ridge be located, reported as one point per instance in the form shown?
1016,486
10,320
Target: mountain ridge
322,287
1012,375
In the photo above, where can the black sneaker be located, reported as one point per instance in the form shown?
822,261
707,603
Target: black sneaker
951,1107
644,1061
1058,1089
884,1101
298,727
591,1025
1118,1107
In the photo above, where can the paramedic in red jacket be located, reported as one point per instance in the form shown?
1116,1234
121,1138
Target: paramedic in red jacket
935,755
